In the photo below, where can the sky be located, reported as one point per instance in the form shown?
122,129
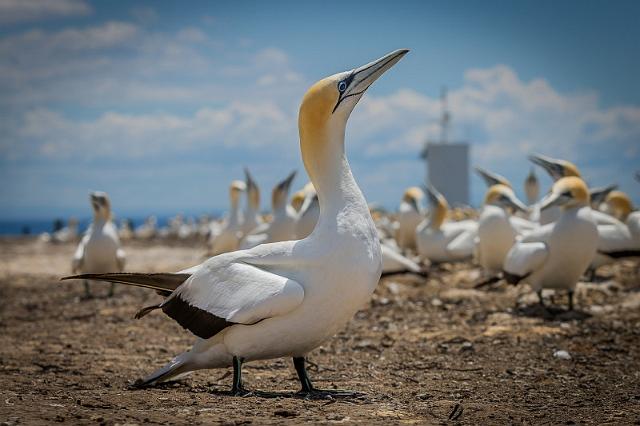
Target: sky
161,104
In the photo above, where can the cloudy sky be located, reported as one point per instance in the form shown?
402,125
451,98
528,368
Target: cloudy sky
162,103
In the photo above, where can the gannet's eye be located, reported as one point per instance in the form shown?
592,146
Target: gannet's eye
342,86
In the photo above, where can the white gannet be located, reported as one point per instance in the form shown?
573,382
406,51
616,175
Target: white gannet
532,187
284,299
409,217
283,223
252,217
228,236
599,196
520,224
444,242
555,255
308,214
147,230
496,233
125,232
99,250
619,239
67,234
395,263
558,169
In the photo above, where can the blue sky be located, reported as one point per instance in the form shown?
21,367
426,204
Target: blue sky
161,104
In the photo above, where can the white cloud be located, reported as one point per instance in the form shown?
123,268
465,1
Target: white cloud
18,11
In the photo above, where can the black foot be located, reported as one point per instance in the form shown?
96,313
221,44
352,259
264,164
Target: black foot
329,394
241,392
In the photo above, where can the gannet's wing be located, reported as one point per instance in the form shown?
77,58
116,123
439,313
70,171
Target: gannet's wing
539,234
613,239
78,256
463,244
602,218
393,261
522,225
523,259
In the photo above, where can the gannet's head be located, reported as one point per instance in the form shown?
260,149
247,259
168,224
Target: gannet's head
281,191
619,204
297,200
503,196
235,189
413,196
491,178
599,194
253,192
101,205
567,192
556,168
532,187
439,206
328,103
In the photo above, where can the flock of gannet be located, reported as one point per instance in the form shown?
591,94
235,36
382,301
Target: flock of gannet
281,286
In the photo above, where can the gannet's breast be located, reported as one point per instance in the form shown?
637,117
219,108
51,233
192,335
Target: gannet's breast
101,245
496,235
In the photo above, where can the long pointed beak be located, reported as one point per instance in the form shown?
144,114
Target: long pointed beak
434,195
362,77
492,178
286,183
251,184
516,204
552,199
599,194
551,165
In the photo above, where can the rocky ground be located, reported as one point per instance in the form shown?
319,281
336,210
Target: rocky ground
428,350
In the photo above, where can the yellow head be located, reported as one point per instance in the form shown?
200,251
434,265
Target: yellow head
439,207
567,192
503,196
556,168
326,107
297,200
101,205
235,189
413,195
619,204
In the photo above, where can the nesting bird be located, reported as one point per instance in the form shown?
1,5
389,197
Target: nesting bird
252,211
409,217
99,250
532,187
228,236
496,233
441,241
284,299
555,255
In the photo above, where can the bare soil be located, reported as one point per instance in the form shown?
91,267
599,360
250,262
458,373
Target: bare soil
428,350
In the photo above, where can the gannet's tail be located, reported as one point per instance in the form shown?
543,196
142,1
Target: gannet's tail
164,283
176,368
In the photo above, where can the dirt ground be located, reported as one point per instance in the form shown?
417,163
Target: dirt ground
424,351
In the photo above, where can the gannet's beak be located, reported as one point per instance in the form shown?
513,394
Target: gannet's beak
285,184
492,178
358,80
552,166
433,194
251,184
599,194
515,204
553,199
95,201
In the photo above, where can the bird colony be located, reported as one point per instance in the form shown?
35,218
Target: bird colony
281,284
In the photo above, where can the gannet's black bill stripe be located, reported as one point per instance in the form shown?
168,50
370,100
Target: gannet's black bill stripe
198,321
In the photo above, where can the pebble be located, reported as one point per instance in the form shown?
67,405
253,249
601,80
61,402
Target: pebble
562,355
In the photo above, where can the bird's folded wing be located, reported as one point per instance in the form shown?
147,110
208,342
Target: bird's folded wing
393,261
524,258
602,218
615,238
539,234
463,244
238,292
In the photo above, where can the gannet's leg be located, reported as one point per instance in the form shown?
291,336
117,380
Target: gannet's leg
238,389
540,299
87,292
308,391
111,289
571,300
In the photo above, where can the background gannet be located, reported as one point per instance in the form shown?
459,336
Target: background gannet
229,235
308,214
621,238
409,217
491,178
496,234
252,210
286,298
555,255
283,223
395,263
532,187
444,242
147,230
99,250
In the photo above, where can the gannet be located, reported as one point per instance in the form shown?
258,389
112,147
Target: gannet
125,232
252,212
308,214
599,196
409,217
395,263
147,230
99,250
496,233
558,169
284,299
521,224
619,239
297,199
228,237
282,226
531,187
68,233
555,255
444,242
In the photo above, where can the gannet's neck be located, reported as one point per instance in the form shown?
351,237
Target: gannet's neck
438,216
322,148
